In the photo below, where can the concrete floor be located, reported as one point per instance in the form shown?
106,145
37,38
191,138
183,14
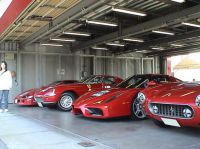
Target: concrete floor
116,133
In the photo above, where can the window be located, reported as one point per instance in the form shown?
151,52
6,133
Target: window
95,80
135,82
109,80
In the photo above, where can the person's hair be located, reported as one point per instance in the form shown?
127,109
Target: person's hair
6,65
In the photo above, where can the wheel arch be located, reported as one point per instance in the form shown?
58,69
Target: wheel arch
70,91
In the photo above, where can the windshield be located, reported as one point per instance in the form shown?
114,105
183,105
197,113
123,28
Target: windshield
87,79
54,83
134,82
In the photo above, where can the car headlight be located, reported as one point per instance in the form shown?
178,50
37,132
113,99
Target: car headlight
50,92
100,93
141,97
187,113
24,94
197,101
155,109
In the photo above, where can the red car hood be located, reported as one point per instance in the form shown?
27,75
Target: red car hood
92,97
183,92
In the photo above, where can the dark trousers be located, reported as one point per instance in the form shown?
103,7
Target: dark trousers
4,99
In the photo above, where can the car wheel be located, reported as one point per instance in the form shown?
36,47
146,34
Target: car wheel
137,110
65,102
160,123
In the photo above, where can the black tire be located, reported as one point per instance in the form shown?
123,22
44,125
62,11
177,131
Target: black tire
160,123
62,105
134,105
51,106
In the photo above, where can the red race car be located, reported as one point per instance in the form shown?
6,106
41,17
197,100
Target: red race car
119,101
63,95
27,98
173,104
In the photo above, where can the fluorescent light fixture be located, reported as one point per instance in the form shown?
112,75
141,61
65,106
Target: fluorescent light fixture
176,45
99,48
63,39
101,23
191,24
133,39
178,1
157,48
115,44
163,32
49,44
142,51
4,4
76,33
129,11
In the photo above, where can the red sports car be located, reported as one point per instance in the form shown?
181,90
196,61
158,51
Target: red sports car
119,101
173,104
27,98
64,95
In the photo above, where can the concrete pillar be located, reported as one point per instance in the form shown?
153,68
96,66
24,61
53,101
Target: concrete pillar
163,65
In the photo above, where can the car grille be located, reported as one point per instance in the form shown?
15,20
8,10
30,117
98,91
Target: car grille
170,110
95,111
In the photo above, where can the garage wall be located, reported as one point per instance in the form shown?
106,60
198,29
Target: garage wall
69,67
49,68
104,66
39,65
28,69
134,66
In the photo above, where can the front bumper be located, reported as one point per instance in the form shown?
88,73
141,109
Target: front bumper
44,101
98,112
25,101
194,121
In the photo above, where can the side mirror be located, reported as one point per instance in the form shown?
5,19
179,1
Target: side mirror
151,83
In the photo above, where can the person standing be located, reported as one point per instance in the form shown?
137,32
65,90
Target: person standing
5,86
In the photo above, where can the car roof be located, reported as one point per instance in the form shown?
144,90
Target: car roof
151,75
105,76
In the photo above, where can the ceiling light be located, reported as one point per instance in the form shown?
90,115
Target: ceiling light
76,33
54,45
178,1
4,4
129,11
115,44
157,48
99,48
163,32
176,45
133,39
142,51
101,23
191,24
63,39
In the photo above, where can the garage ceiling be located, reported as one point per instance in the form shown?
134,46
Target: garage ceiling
152,27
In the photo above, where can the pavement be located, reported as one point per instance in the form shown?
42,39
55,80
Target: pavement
18,132
44,128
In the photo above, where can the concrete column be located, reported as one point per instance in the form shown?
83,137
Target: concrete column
163,65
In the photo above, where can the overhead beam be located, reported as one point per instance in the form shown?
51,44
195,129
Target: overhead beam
75,12
174,51
164,21
161,41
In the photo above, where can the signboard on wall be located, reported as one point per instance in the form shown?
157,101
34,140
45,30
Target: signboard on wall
9,56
